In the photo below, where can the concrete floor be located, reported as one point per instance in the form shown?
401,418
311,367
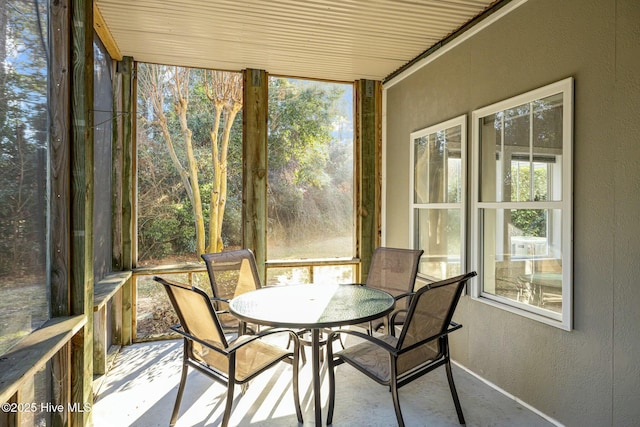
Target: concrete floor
141,387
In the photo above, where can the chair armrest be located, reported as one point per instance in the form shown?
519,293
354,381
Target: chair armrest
223,300
392,318
246,339
453,327
364,336
178,328
405,295
240,342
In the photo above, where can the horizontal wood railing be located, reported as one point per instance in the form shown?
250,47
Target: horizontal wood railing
27,357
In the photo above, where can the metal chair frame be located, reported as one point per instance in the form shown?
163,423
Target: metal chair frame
228,350
397,380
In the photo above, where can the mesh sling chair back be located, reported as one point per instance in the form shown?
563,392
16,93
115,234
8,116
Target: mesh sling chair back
207,350
421,347
231,273
393,270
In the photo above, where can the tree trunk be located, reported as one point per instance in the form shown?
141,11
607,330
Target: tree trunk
215,188
224,90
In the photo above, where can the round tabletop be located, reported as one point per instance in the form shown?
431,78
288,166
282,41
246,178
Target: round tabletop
311,306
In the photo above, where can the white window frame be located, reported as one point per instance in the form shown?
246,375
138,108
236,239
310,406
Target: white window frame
564,319
460,121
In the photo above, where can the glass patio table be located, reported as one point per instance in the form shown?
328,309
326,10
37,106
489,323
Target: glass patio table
313,307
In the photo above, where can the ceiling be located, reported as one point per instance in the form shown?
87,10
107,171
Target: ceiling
342,40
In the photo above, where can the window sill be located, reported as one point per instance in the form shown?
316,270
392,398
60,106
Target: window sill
25,359
525,310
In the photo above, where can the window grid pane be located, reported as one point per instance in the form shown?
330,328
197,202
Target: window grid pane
438,196
522,260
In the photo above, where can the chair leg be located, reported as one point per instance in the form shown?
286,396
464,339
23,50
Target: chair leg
454,393
332,382
396,401
302,353
176,406
229,404
296,388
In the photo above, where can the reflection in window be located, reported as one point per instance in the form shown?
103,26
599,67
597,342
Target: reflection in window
23,169
522,141
521,216
438,181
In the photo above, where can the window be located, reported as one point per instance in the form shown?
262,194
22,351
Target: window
521,204
310,199
438,165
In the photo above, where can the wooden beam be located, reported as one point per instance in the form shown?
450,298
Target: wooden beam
126,71
102,29
106,290
61,384
60,129
100,344
82,188
369,169
116,319
59,161
117,161
254,176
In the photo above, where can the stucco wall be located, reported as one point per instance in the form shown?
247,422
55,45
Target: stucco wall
589,376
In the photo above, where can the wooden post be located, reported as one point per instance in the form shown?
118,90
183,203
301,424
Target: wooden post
60,137
128,193
255,165
81,284
100,344
368,169
117,160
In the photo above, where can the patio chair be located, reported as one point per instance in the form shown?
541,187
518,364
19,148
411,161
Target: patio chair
421,347
207,350
231,273
393,270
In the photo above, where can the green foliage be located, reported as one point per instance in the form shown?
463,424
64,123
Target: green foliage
530,222
23,138
310,168
301,115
